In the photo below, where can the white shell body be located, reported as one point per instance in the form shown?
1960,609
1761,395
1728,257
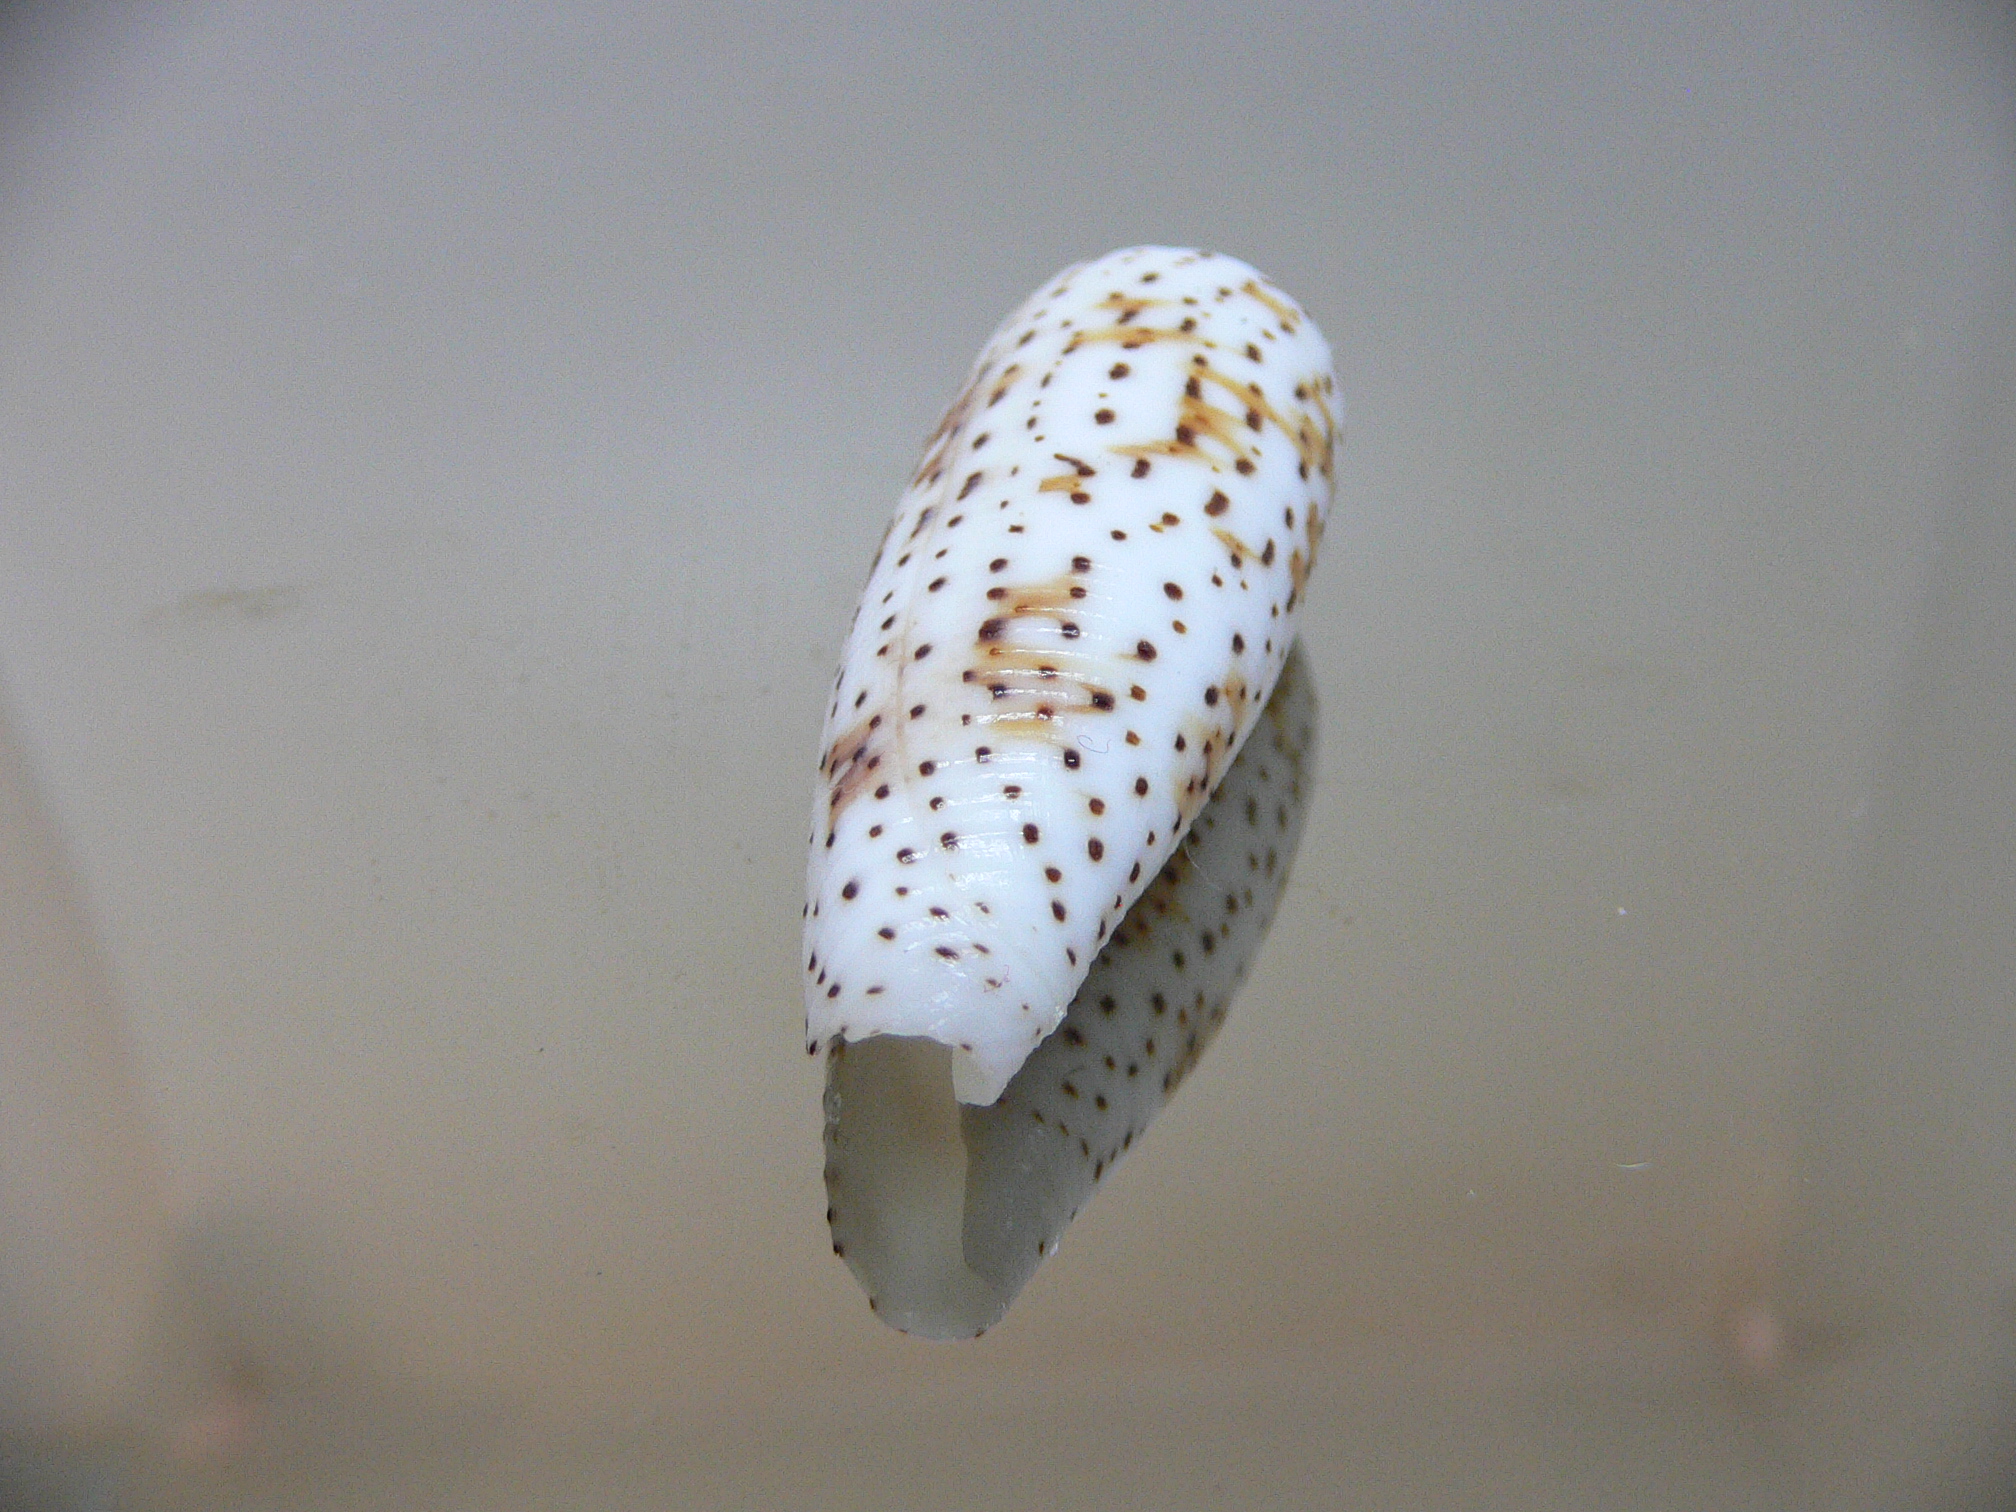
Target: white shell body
944,1211
1084,600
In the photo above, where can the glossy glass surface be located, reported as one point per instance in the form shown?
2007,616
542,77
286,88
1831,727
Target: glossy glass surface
439,450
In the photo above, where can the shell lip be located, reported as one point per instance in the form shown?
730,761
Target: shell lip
947,1001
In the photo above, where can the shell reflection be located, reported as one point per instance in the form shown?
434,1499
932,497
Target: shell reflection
944,1210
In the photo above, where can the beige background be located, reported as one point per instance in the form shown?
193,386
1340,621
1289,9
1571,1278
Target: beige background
440,448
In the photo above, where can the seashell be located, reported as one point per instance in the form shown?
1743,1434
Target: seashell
1087,595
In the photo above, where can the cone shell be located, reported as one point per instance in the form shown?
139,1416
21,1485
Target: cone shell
1084,600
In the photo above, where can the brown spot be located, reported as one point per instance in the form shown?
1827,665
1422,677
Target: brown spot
1172,590
1218,503
1096,849
1145,650
1030,834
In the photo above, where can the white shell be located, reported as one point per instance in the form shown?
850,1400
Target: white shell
1084,599
944,1211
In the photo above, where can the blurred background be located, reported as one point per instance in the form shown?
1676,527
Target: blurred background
440,447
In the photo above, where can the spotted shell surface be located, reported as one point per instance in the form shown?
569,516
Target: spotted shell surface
1085,598
944,1211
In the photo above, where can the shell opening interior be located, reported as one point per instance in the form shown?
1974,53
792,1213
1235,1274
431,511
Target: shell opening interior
907,1181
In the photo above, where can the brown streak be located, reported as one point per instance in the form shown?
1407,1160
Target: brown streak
1312,443
1127,336
1287,314
1232,543
848,778
1030,678
1129,305
950,424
